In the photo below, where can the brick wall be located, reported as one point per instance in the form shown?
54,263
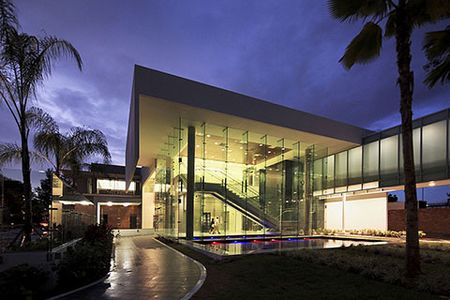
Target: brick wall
432,221
119,216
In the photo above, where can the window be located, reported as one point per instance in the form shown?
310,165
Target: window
371,156
433,150
354,165
341,169
114,185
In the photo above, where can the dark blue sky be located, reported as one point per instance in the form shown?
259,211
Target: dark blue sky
286,52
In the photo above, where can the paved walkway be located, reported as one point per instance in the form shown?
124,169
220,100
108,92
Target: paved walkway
145,269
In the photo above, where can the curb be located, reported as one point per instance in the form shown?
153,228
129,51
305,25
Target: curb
202,268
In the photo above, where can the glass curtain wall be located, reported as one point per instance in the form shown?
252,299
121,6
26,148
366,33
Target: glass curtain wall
379,161
250,184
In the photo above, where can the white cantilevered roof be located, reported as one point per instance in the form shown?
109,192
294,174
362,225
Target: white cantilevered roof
158,99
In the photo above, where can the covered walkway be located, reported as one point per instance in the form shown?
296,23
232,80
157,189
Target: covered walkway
145,269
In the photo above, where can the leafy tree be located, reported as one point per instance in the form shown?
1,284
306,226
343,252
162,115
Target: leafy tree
43,197
13,197
26,62
400,18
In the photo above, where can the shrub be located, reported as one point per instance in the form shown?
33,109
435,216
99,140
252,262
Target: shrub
22,282
96,232
88,260
372,232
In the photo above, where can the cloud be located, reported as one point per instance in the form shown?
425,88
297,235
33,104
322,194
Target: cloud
286,52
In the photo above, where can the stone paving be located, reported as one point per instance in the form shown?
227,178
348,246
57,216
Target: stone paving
144,269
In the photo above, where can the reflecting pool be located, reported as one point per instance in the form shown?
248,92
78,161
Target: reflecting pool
253,246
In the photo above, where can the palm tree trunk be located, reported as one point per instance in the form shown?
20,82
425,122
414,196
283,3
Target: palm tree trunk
406,83
26,174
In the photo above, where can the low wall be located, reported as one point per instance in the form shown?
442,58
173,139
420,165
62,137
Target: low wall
133,232
432,221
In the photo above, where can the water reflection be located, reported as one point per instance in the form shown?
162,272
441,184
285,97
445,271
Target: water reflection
239,247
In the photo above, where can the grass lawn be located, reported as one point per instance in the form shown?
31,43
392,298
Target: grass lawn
288,277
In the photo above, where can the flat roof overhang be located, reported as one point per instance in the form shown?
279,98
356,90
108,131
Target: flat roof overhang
159,99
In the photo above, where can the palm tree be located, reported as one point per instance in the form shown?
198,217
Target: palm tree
400,18
62,151
26,61
70,150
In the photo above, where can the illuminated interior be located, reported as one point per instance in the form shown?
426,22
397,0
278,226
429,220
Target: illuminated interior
225,164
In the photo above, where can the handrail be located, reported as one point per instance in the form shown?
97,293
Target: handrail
236,182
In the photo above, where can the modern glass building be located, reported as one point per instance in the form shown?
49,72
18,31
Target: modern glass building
218,163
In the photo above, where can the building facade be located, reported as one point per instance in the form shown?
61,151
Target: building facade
98,195
217,163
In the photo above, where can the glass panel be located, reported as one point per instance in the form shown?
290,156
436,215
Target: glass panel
178,199
318,170
290,209
370,157
355,165
389,161
202,221
434,151
273,182
341,169
329,172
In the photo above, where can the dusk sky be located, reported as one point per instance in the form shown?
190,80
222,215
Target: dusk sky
285,52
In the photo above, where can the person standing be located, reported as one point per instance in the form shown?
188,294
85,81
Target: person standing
211,226
216,225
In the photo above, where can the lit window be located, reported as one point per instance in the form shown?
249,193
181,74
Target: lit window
114,185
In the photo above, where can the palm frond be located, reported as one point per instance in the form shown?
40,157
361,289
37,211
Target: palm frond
364,47
422,12
10,153
83,143
352,10
49,143
437,44
8,18
40,120
32,58
439,73
390,27
437,50
51,48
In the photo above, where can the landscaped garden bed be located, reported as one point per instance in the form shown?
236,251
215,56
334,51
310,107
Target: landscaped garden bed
270,276
387,263
86,261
